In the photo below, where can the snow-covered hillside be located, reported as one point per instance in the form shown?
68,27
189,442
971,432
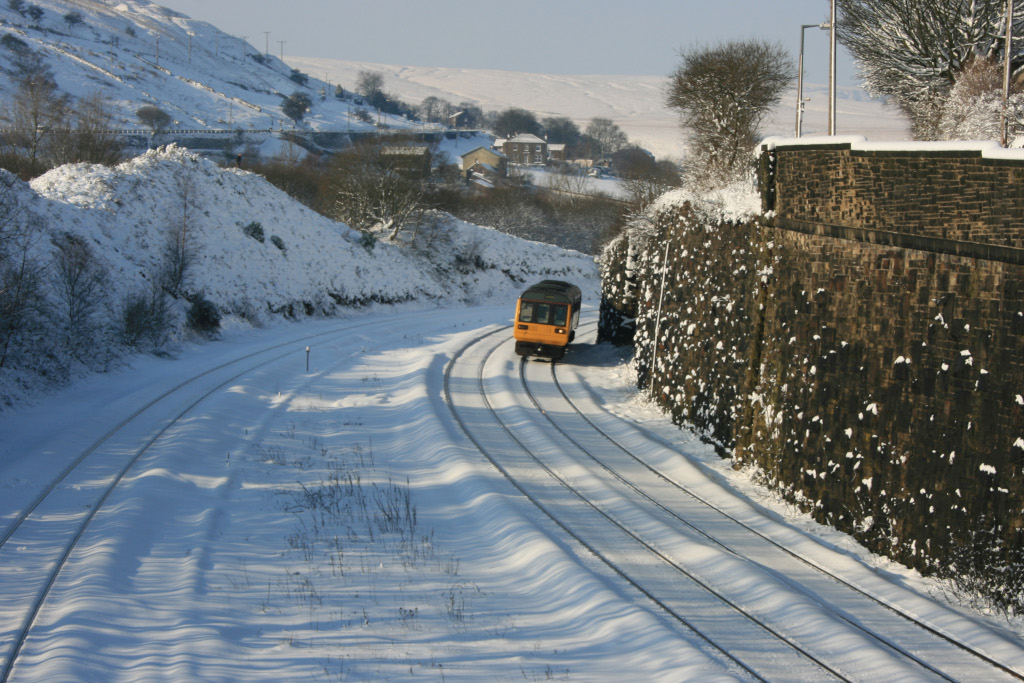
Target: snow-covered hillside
139,53
258,254
129,211
635,103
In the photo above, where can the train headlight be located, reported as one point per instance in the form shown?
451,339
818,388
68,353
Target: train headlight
559,330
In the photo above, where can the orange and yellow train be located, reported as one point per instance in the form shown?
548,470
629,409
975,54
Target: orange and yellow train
546,318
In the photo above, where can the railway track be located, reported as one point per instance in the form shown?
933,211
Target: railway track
655,536
600,493
89,479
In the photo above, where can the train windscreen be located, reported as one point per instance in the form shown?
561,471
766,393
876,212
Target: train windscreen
543,314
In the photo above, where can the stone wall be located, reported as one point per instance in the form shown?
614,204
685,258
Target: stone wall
928,190
853,348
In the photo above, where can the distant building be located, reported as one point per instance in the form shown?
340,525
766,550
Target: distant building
490,161
556,151
526,149
413,159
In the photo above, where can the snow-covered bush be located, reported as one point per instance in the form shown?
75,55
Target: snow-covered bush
974,107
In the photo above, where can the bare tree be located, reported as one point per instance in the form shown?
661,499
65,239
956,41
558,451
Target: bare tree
608,138
92,139
914,52
723,94
80,286
180,252
514,121
645,181
370,84
435,109
37,110
73,19
22,302
568,184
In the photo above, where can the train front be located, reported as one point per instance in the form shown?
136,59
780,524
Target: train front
546,317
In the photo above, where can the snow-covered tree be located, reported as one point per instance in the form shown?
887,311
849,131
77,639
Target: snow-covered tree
372,191
723,94
973,110
913,53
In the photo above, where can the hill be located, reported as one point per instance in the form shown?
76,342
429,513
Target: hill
635,103
137,53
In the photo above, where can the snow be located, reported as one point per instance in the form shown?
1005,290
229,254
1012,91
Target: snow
304,505
216,558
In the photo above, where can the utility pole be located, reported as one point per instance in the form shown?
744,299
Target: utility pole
281,43
657,320
266,51
1003,123
190,47
832,70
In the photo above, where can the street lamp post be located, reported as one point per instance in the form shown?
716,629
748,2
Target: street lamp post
800,78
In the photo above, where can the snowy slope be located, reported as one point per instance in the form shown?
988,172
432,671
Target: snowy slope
139,53
129,212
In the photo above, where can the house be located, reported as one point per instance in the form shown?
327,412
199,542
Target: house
490,160
556,151
526,149
413,159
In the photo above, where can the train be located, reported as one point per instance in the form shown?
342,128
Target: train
547,314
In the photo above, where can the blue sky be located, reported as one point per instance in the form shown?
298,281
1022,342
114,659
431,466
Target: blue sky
539,36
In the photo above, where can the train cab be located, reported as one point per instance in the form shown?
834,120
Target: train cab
546,318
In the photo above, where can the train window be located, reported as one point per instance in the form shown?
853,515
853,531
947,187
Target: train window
543,314
559,317
526,312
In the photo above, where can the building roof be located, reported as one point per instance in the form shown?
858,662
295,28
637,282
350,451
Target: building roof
405,150
486,149
528,138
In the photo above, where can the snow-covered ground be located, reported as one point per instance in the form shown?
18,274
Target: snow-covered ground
311,496
274,522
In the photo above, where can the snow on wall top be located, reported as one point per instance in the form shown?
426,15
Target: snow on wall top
989,149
